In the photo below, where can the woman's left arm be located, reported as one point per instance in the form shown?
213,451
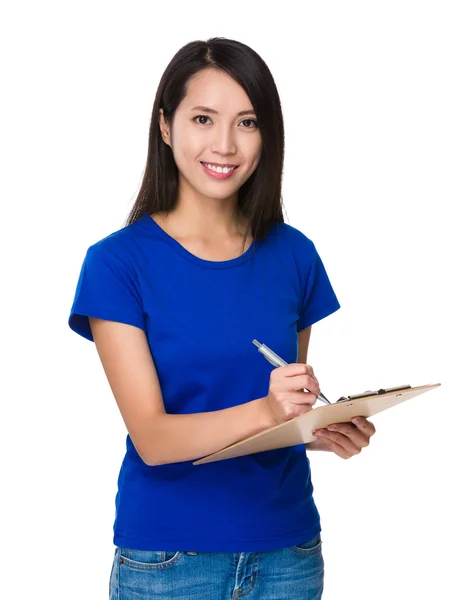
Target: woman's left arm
344,439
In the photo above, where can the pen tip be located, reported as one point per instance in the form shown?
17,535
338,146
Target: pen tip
256,343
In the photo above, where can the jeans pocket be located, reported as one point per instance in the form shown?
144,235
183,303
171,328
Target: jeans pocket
149,560
308,548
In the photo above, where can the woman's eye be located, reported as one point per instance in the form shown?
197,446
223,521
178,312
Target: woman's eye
206,117
201,117
251,121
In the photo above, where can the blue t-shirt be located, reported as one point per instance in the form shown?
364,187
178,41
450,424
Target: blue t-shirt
200,318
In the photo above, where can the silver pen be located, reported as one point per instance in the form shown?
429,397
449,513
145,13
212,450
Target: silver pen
277,361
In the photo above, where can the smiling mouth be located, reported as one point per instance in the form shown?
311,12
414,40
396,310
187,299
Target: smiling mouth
218,174
219,165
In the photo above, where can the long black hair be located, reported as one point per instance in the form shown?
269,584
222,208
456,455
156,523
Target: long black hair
260,197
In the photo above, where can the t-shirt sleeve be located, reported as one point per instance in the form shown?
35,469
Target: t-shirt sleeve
319,299
107,288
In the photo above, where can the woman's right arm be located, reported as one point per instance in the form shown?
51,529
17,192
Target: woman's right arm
162,438
158,437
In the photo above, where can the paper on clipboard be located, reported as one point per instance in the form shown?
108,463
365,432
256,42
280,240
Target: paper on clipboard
299,430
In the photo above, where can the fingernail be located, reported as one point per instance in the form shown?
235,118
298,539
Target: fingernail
356,420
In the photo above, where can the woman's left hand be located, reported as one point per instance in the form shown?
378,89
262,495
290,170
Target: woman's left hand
346,439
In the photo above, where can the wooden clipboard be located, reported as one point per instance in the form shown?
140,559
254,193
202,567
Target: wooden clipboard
299,430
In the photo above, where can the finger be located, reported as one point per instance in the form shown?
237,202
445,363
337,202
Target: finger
294,369
299,382
334,447
364,425
303,398
311,372
359,438
341,440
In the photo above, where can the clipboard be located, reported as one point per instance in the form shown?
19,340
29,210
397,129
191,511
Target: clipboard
299,429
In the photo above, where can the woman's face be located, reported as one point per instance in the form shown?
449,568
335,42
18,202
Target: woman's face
223,137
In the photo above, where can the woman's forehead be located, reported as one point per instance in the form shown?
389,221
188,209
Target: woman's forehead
216,90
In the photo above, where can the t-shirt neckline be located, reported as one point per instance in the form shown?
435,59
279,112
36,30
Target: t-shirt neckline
208,264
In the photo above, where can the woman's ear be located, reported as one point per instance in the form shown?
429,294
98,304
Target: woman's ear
164,128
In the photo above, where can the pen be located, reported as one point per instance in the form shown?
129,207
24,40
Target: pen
277,361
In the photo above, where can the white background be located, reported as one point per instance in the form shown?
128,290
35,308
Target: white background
371,94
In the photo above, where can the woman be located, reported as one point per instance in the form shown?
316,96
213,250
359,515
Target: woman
204,265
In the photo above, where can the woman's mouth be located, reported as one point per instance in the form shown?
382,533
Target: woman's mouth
225,174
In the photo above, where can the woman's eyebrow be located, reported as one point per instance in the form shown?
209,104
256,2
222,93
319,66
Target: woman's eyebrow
215,112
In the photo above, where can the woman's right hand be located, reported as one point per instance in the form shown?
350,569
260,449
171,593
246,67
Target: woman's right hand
285,399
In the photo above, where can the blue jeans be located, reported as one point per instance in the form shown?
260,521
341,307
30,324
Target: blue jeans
293,573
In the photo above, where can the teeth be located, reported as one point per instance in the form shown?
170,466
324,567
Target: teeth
219,169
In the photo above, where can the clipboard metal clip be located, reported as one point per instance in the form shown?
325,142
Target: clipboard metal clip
373,393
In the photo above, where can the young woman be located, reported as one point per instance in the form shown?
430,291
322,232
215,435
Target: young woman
204,265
